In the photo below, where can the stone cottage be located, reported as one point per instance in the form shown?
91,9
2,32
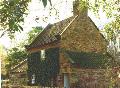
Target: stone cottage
70,53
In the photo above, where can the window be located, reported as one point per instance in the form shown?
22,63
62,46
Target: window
43,54
33,79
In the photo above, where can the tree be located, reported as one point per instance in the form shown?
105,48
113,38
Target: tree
12,12
18,53
3,55
15,55
12,15
34,32
112,10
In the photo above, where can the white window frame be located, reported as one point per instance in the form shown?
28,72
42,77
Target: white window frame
33,79
43,54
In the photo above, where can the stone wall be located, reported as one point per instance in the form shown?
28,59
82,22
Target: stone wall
83,35
94,78
18,79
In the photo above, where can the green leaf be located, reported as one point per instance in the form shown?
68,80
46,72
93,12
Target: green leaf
44,2
50,2
20,28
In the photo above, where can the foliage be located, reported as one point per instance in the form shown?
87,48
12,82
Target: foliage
90,59
32,33
45,2
15,55
3,55
12,15
12,12
18,53
44,70
112,10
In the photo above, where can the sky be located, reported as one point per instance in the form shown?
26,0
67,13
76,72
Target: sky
37,10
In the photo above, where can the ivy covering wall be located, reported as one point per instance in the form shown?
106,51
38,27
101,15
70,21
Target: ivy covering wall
90,59
44,70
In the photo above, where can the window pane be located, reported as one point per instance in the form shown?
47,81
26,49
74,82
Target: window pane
43,54
33,79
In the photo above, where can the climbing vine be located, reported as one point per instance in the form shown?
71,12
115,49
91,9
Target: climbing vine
90,59
44,70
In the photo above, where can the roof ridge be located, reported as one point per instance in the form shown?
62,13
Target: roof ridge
18,64
49,25
68,25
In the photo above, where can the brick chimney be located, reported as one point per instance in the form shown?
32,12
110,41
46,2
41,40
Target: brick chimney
80,8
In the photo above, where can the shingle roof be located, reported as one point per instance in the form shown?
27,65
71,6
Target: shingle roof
88,60
18,65
51,33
